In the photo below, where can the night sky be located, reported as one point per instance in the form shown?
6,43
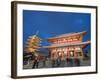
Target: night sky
50,24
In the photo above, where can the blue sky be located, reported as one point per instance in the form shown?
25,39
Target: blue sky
50,24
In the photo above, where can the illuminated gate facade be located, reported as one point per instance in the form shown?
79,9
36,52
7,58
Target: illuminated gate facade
67,45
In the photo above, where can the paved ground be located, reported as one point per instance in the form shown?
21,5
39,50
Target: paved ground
48,64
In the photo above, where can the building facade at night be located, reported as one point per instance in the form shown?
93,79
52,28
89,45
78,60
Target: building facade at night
67,46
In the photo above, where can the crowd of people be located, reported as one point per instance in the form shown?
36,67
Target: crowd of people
58,62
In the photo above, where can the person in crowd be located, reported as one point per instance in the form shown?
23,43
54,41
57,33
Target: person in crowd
36,62
58,59
44,61
77,62
62,58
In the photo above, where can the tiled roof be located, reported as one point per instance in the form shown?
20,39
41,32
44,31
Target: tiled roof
68,34
67,44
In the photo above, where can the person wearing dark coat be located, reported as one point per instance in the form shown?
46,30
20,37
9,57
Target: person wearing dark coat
36,62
